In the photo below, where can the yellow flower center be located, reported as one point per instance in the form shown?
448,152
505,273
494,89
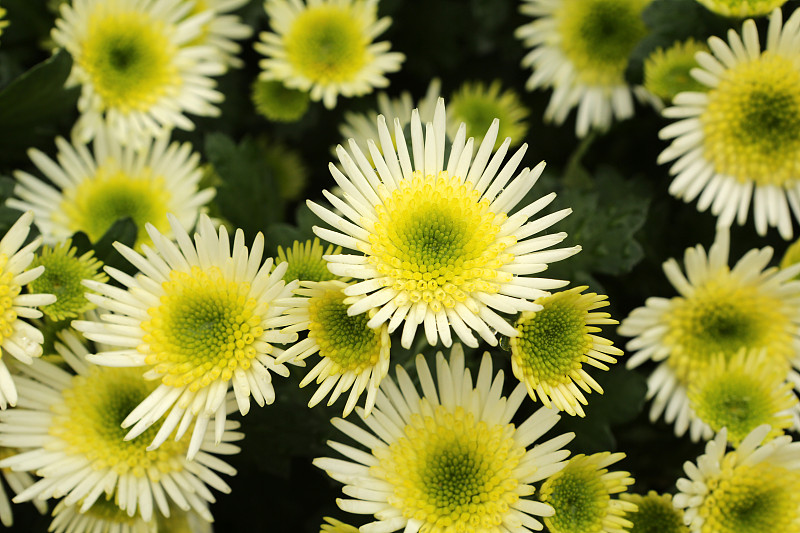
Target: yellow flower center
762,498
752,122
88,422
452,472
553,342
327,44
345,340
95,204
129,59
597,36
723,316
203,329
742,8
436,242
8,292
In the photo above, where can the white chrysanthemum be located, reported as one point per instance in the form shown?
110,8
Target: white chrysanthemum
92,190
740,141
138,65
352,355
435,242
69,428
17,482
18,338
362,127
451,460
325,47
223,29
720,310
753,489
581,50
104,516
199,319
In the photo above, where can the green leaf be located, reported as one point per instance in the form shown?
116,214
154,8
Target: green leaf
123,231
248,196
34,105
284,234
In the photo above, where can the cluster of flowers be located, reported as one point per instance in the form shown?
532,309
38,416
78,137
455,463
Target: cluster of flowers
116,388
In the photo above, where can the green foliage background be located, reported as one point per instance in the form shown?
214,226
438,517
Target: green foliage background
623,218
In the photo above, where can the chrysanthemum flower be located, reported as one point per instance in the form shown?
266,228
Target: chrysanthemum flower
742,8
223,29
91,191
740,140
274,101
138,66
336,526
63,276
667,72
449,461
655,513
18,338
17,482
325,47
752,489
720,310
352,355
361,127
69,425
435,244
199,319
306,262
581,495
477,105
555,342
581,49
104,516
741,394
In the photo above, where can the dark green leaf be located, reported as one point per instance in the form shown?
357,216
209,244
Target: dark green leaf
123,231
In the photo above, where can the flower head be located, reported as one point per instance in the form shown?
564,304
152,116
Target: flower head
654,514
742,8
332,525
306,262
91,191
742,393
63,276
138,66
740,139
436,245
352,355
274,101
720,310
581,49
667,71
555,342
752,489
103,516
325,47
477,105
450,460
581,496
199,319
18,338
69,428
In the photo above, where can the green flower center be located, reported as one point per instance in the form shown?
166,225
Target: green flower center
477,106
752,122
723,316
88,422
95,204
436,242
579,497
327,44
345,340
62,277
752,499
129,59
742,8
452,472
735,401
597,36
203,329
277,102
656,514
554,341
667,72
